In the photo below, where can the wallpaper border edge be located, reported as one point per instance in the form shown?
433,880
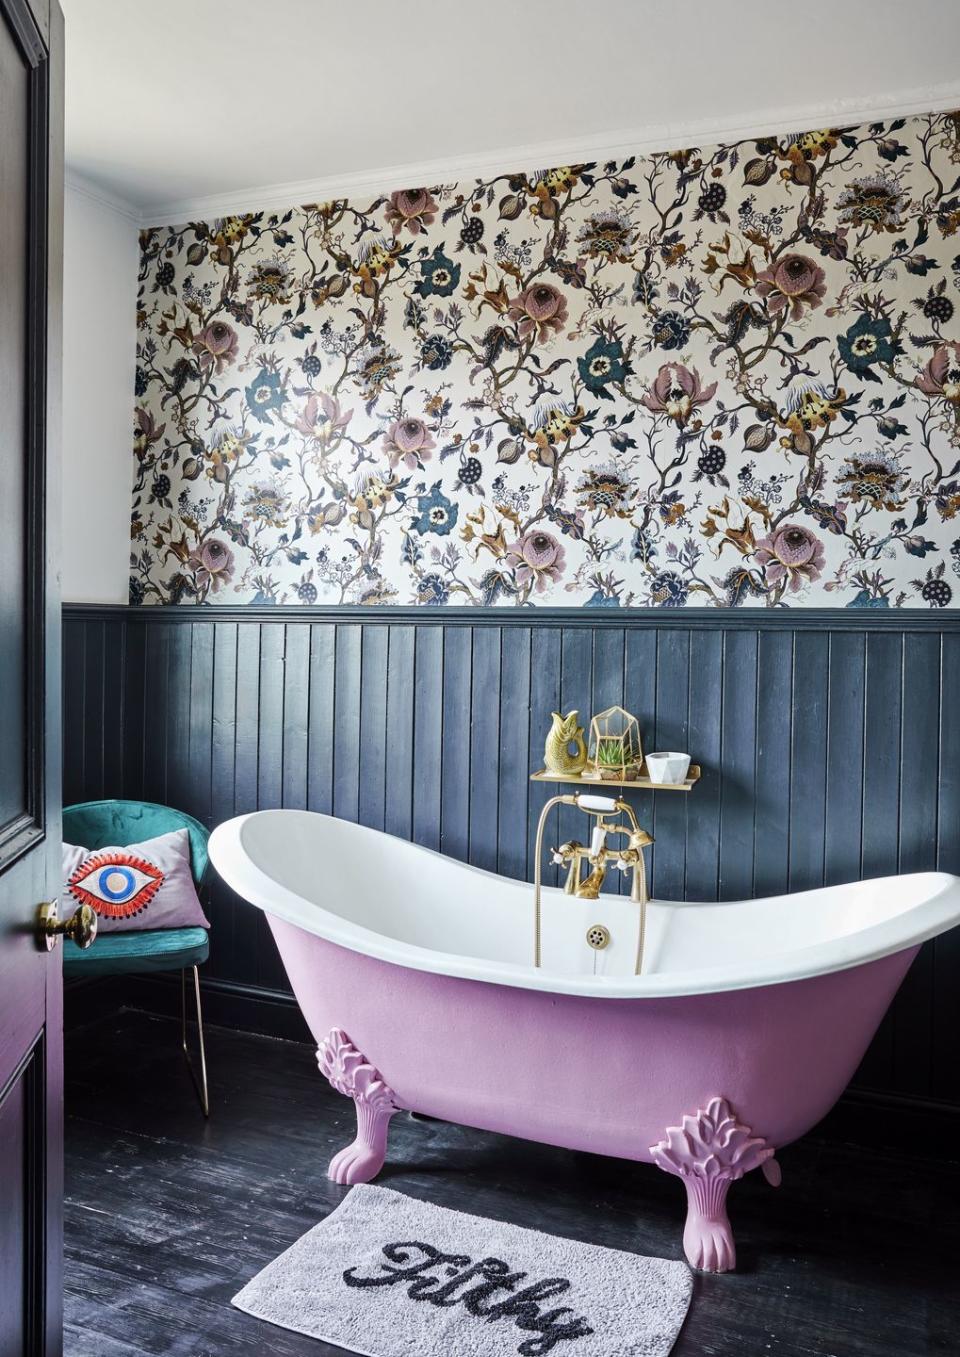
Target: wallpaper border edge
662,619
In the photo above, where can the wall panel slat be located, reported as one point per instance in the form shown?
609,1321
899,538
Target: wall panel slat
346,722
514,737
225,911
249,939
771,843
132,659
738,741
808,760
544,700
398,811
454,771
296,715
427,735
76,784
270,719
670,809
200,715
323,644
180,644
641,646
843,818
913,1012
484,748
92,721
702,846
373,727
881,803
155,713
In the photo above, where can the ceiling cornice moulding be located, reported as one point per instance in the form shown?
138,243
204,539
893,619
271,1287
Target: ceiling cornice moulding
79,183
541,155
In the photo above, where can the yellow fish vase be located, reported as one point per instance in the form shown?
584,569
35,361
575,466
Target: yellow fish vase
556,753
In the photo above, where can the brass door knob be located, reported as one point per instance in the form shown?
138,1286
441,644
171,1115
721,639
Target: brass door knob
81,927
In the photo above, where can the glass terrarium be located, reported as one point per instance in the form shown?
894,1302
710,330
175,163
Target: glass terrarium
615,751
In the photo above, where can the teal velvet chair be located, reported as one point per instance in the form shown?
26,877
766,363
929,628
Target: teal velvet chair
98,824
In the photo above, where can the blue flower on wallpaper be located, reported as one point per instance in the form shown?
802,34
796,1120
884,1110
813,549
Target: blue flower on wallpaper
436,353
864,600
441,276
668,590
671,330
602,365
869,341
433,589
436,513
264,395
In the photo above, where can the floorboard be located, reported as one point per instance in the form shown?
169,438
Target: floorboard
167,1216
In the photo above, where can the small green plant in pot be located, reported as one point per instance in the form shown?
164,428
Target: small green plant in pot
610,762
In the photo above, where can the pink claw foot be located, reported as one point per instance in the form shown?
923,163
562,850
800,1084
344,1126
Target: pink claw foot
350,1073
709,1151
707,1236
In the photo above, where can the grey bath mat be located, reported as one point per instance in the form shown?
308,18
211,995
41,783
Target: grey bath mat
386,1275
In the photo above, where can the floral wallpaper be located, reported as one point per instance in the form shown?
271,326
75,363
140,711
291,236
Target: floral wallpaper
726,376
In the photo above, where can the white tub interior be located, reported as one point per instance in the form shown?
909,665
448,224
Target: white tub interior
395,900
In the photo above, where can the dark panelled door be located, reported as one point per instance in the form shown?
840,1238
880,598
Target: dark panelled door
31,1135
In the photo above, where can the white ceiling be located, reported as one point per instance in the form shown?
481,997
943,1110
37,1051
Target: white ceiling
180,104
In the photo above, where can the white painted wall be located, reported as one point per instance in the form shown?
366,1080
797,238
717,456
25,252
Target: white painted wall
99,357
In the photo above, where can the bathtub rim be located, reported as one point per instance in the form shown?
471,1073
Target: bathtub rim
936,914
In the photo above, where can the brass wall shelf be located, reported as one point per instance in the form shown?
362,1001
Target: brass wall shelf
598,784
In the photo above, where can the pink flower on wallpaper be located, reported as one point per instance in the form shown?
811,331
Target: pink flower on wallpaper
321,417
792,553
212,563
408,441
795,282
677,391
941,376
411,208
540,310
536,558
216,345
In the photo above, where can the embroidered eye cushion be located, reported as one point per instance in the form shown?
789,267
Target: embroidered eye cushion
146,885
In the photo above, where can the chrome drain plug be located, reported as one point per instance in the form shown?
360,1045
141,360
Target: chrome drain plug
598,937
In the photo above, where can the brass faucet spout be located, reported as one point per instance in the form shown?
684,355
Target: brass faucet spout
590,888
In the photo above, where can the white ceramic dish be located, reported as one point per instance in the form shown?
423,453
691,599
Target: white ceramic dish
668,767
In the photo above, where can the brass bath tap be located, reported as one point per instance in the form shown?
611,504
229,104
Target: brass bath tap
597,855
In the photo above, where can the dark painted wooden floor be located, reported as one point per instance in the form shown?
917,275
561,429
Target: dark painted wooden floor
166,1216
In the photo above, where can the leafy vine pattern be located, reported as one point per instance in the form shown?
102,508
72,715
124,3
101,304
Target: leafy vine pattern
717,377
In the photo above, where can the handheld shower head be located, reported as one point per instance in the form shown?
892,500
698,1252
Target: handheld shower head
597,805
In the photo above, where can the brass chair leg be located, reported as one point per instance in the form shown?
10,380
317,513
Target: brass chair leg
199,1084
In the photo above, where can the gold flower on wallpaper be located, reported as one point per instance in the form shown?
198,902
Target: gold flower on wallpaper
722,377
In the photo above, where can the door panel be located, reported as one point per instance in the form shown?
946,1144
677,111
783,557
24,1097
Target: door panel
22,1206
14,190
13,1263
31,1139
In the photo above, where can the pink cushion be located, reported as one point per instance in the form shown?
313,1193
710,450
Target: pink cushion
145,885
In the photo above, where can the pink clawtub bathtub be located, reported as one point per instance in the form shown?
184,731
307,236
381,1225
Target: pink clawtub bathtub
415,975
